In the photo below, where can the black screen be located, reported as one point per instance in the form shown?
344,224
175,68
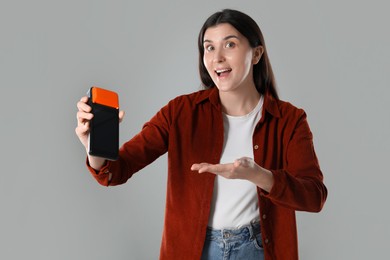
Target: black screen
104,135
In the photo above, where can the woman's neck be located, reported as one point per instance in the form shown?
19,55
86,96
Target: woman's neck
240,101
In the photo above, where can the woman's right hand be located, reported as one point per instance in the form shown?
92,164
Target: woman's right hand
84,117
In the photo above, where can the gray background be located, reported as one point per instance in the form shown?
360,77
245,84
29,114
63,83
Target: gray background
329,57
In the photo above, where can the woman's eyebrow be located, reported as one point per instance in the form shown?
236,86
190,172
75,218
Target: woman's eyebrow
224,39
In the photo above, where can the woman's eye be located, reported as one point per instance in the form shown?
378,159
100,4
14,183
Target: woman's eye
209,48
230,44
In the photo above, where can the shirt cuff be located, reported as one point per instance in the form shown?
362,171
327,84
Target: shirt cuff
102,176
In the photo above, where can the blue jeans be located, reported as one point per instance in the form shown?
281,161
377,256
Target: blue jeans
242,243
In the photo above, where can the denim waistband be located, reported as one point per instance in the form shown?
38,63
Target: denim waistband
241,233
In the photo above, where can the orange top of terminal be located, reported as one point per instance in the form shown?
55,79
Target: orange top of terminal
105,97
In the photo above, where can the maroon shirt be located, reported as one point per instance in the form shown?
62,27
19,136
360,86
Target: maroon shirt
190,129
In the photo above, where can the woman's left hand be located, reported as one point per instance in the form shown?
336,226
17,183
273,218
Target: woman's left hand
239,169
244,168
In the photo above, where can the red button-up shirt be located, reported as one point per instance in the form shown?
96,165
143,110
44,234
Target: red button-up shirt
190,129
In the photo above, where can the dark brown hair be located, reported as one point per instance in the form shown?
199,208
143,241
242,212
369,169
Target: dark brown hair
263,75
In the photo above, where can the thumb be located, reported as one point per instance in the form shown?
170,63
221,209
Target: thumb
121,115
245,162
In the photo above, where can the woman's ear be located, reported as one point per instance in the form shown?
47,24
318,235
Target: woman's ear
257,53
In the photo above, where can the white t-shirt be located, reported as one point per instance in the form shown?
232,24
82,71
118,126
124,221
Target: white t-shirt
235,202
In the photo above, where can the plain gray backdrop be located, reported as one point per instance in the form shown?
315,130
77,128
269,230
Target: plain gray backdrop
329,57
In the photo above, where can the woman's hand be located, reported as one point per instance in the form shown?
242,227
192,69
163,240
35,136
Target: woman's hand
84,117
244,168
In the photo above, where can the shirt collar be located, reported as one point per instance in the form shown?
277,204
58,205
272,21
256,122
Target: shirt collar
271,105
212,94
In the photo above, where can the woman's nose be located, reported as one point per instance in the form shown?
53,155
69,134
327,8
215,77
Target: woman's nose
218,56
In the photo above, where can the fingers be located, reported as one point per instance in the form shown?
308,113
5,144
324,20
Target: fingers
82,129
83,106
219,168
84,99
83,115
214,168
198,166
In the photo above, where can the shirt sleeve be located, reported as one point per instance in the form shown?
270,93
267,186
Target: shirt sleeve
299,185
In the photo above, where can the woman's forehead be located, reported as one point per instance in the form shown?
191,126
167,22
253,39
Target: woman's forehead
220,31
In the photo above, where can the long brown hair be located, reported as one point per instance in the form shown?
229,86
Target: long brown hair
263,75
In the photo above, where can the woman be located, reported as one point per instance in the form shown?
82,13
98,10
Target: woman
240,161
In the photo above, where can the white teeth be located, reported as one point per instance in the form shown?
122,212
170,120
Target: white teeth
223,70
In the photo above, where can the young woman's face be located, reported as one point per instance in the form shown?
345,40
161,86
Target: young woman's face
229,58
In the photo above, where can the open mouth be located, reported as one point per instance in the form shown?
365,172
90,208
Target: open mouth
223,72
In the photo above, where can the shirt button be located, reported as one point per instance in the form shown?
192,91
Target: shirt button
264,216
266,241
256,147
